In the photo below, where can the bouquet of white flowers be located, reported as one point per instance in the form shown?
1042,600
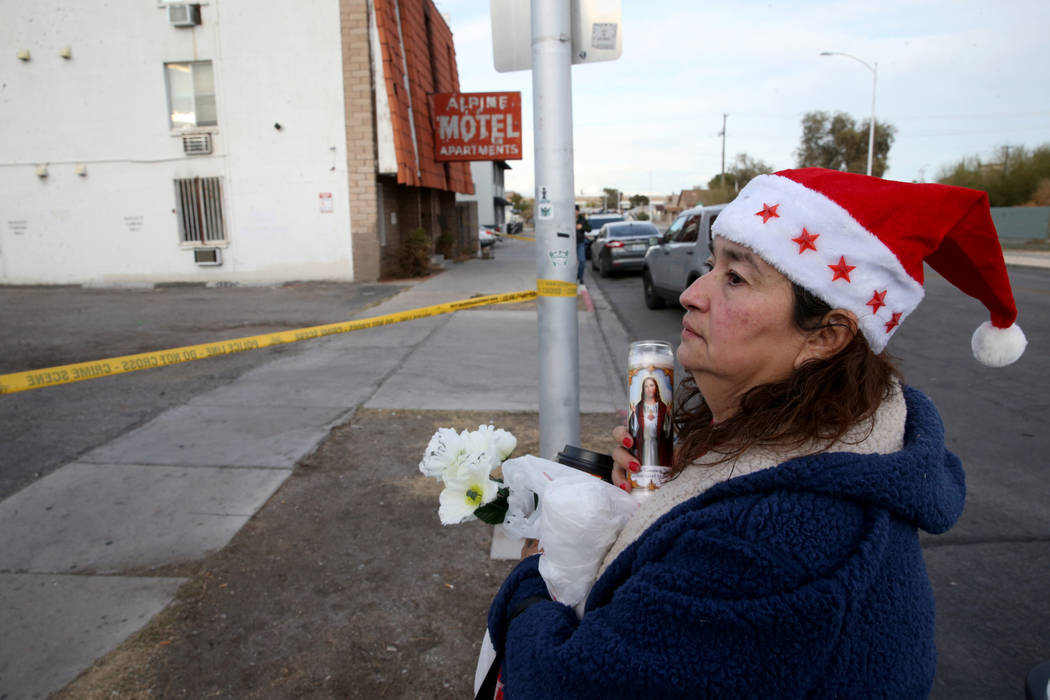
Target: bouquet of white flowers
465,462
580,520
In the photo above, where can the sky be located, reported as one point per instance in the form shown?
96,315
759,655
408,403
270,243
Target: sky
957,78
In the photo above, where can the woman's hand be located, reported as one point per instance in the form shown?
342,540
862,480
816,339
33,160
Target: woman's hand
623,460
530,547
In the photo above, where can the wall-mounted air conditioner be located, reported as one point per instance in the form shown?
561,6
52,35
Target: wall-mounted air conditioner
184,14
207,257
196,144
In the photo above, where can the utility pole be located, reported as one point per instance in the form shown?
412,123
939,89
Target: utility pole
651,195
722,133
556,262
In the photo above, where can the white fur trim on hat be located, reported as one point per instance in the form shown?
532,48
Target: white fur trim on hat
843,264
997,347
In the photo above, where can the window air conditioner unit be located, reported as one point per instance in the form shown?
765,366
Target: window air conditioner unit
184,15
207,257
196,144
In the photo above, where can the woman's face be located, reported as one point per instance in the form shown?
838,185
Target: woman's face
738,331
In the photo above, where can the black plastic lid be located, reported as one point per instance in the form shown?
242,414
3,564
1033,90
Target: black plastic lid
597,463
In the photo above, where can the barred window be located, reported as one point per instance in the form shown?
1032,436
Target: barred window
198,204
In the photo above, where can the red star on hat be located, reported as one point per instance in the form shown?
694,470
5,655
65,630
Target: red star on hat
842,270
768,212
893,322
805,241
878,300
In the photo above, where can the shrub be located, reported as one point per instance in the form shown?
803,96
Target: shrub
446,244
415,254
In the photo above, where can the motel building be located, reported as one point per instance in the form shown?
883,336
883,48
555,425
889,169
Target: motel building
230,141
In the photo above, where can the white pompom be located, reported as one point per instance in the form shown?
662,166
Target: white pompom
997,347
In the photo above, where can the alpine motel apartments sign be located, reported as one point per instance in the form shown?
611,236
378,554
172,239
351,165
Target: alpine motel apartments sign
477,125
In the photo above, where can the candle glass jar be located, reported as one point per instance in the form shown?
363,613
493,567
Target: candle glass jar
650,384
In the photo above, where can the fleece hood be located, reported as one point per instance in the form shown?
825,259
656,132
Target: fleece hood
922,485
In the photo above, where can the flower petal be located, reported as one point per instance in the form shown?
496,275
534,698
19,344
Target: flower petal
505,443
444,450
461,498
501,442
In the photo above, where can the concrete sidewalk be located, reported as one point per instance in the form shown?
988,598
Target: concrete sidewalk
182,485
1027,258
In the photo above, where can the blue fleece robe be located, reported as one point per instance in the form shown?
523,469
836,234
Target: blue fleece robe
802,580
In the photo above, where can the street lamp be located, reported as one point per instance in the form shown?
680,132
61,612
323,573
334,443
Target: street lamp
874,78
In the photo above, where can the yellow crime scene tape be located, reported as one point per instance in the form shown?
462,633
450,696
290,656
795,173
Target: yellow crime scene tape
81,371
555,288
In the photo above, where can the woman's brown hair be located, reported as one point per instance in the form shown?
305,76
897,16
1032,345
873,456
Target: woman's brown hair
820,402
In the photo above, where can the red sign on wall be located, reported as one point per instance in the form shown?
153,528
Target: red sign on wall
476,125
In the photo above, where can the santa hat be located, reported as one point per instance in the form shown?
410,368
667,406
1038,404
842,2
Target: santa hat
859,243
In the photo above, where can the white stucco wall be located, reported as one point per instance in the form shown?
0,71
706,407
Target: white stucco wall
482,172
106,109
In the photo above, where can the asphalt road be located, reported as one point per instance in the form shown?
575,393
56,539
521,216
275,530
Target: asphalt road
989,573
48,326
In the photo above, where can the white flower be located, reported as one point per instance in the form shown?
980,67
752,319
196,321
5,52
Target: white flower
505,443
444,452
464,462
462,496
500,443
480,450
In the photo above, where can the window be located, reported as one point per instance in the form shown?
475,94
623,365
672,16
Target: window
672,232
689,230
198,204
191,94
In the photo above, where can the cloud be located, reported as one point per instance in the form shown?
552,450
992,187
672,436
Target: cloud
956,77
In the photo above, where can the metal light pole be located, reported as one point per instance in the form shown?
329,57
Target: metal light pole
555,227
722,133
874,78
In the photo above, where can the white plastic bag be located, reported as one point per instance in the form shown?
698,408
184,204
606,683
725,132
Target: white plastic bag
528,476
577,520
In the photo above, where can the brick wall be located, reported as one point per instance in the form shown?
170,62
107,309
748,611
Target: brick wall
360,139
376,235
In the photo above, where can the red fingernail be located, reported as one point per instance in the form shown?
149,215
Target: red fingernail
634,466
627,442
623,486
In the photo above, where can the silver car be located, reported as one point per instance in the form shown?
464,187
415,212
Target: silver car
596,221
622,246
680,256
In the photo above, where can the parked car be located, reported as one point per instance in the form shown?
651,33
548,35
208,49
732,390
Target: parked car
680,257
485,238
621,246
597,221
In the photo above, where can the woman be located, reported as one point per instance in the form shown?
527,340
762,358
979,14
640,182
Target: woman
649,422
783,560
